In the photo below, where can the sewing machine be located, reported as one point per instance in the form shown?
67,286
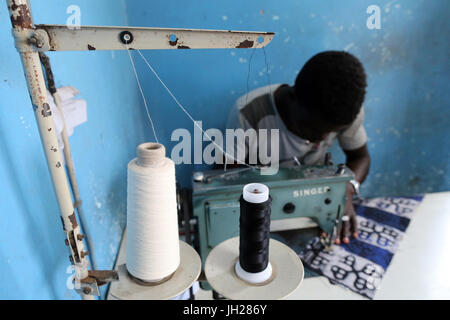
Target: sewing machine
302,197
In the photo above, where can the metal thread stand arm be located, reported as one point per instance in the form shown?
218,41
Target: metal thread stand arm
89,38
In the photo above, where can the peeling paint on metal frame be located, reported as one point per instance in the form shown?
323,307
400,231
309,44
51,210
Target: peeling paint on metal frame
245,44
73,220
20,17
46,112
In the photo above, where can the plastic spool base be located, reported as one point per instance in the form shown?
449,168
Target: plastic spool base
253,278
182,279
287,272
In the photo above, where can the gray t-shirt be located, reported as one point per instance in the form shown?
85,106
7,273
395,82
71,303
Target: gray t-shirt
257,110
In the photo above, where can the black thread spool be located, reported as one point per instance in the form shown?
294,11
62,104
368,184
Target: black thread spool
253,265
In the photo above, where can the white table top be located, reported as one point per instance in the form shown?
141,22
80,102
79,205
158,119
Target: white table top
420,268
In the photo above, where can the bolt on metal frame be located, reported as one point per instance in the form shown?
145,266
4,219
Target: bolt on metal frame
31,39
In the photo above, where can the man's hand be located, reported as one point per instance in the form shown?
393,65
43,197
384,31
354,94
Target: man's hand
349,225
358,161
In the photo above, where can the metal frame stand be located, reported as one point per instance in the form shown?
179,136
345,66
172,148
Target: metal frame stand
31,39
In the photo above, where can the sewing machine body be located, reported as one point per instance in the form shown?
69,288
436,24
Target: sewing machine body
302,197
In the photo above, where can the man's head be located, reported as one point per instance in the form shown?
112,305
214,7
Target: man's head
330,88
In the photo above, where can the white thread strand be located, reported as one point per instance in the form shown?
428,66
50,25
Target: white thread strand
248,74
267,71
142,93
187,113
153,251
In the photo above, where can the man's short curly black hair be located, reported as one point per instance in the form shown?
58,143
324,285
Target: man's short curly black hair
332,85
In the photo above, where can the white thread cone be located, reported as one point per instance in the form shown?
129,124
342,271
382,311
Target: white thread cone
152,227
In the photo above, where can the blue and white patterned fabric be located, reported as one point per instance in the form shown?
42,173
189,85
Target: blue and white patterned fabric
361,264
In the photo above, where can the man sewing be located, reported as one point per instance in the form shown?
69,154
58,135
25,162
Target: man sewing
326,102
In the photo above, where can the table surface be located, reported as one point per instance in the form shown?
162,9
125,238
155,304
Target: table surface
420,268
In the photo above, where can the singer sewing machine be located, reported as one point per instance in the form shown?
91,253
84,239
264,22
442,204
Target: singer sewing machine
302,197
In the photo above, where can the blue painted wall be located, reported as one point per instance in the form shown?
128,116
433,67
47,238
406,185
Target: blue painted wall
407,62
407,109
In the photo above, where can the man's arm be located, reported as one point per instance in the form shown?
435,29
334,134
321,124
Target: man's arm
358,161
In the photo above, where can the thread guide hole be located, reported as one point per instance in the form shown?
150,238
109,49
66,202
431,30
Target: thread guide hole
126,37
173,39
